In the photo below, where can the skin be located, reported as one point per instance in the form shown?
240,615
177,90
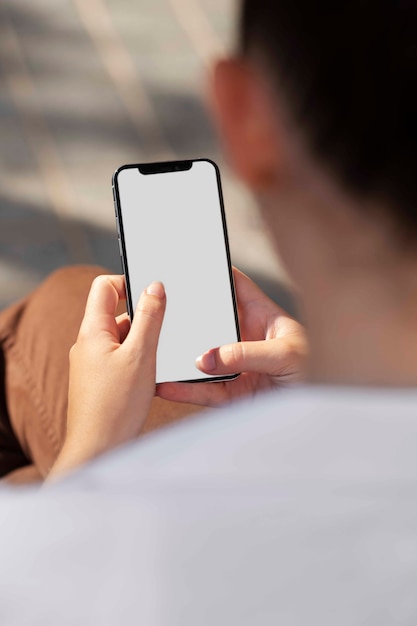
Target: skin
112,372
272,352
111,354
358,288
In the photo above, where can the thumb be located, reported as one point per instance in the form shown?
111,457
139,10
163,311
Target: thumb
147,321
263,357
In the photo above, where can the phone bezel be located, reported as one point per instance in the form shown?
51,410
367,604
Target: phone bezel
159,167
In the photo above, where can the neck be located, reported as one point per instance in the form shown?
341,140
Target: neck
363,330
358,283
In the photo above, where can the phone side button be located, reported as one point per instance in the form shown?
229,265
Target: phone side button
120,247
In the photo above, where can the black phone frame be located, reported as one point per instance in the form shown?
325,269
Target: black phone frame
159,167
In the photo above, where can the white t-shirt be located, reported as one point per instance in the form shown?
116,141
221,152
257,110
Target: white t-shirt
299,508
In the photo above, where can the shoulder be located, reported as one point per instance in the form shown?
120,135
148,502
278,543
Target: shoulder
282,434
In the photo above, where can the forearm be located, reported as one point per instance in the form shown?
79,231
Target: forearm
71,457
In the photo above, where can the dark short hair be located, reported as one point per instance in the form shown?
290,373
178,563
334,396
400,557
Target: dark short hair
348,70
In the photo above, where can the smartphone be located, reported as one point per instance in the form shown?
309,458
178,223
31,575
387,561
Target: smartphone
172,228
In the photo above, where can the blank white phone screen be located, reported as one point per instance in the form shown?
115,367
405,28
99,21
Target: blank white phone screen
173,233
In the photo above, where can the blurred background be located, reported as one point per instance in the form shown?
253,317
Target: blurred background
86,86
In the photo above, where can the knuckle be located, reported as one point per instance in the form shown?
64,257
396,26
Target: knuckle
298,351
289,347
150,308
83,334
99,281
289,359
234,353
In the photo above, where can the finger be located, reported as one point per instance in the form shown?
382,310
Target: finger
246,289
147,320
203,394
123,324
105,293
263,357
247,293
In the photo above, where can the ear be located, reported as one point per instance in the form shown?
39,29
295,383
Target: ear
244,114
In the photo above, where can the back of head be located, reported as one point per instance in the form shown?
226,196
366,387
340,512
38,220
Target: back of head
348,72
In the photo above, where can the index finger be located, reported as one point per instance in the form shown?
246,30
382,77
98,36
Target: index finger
203,394
246,289
105,294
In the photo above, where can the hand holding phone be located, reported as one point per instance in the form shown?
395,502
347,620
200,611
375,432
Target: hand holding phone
172,228
272,353
112,372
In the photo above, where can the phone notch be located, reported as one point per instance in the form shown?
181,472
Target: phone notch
165,167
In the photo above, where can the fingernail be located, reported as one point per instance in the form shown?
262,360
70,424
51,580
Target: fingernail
156,289
207,361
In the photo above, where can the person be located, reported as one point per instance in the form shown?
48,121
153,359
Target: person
42,328
296,506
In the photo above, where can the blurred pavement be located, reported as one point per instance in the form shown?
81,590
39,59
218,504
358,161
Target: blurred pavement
85,86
